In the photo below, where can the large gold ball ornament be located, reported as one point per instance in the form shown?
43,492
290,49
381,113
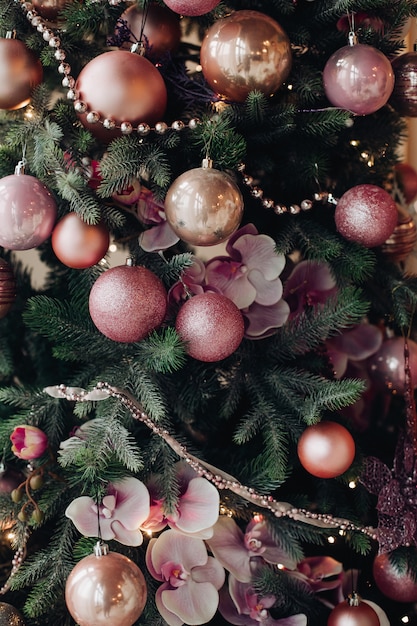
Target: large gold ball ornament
243,52
118,87
204,206
20,73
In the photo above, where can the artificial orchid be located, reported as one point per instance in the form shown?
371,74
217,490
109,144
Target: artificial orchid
28,442
150,212
190,578
119,515
192,282
309,284
197,510
323,575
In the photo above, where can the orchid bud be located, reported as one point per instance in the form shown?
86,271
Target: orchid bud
29,442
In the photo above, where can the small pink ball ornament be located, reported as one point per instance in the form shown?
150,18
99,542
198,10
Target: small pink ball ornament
326,449
27,211
366,214
358,78
78,244
192,7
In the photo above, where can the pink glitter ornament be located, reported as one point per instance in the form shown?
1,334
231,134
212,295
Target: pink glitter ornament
192,7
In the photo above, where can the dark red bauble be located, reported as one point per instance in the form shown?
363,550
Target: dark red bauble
77,244
393,584
161,30
345,614
407,180
7,288
192,7
211,325
49,9
387,366
119,86
366,214
326,449
127,302
404,95
20,72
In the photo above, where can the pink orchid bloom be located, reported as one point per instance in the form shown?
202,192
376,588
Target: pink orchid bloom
121,512
191,579
353,345
241,552
150,212
29,442
198,507
240,605
324,575
249,277
309,284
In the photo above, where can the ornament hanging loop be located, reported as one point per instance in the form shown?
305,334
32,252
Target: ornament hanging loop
352,37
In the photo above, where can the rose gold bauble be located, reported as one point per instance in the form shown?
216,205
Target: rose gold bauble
246,51
77,244
120,86
20,73
9,616
326,449
49,9
204,206
346,614
401,242
404,95
387,366
7,288
395,585
192,7
105,590
211,326
161,30
127,302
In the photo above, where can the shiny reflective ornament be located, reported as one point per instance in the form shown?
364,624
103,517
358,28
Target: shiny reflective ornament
192,7
77,244
20,72
7,288
401,242
404,95
9,616
387,366
27,212
358,78
204,206
106,590
326,449
366,214
49,9
245,51
395,585
120,86
353,612
161,29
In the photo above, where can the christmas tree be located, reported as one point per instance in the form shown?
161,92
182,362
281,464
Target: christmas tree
216,423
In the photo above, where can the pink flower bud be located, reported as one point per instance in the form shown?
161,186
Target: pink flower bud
29,442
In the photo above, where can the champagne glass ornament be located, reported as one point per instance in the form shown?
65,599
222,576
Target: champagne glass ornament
20,73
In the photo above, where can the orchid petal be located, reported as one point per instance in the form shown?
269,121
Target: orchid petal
189,551
358,343
258,252
198,507
82,513
228,547
171,618
158,238
212,572
267,291
230,279
194,603
249,229
264,320
124,536
132,507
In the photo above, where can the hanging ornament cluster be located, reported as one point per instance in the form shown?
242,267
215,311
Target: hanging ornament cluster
393,583
7,288
326,449
127,302
404,95
20,73
192,8
158,27
245,51
353,612
78,244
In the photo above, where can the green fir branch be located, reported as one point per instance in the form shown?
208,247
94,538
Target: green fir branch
162,351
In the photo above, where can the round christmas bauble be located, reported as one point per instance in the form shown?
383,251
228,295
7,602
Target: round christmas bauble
161,29
204,206
346,614
27,212
395,585
119,87
192,7
7,288
358,78
387,366
107,589
20,73
77,244
9,616
245,51
366,214
211,326
127,302
326,449
49,9
401,242
404,96
10,479
407,180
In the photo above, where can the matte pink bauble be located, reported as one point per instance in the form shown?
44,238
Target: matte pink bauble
345,614
104,590
192,7
119,86
27,212
366,214
204,206
211,326
358,78
387,366
326,449
393,584
20,72
127,302
404,95
161,29
245,51
77,244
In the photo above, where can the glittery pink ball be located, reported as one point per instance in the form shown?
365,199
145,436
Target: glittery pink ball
211,325
358,78
392,583
127,302
366,214
192,7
